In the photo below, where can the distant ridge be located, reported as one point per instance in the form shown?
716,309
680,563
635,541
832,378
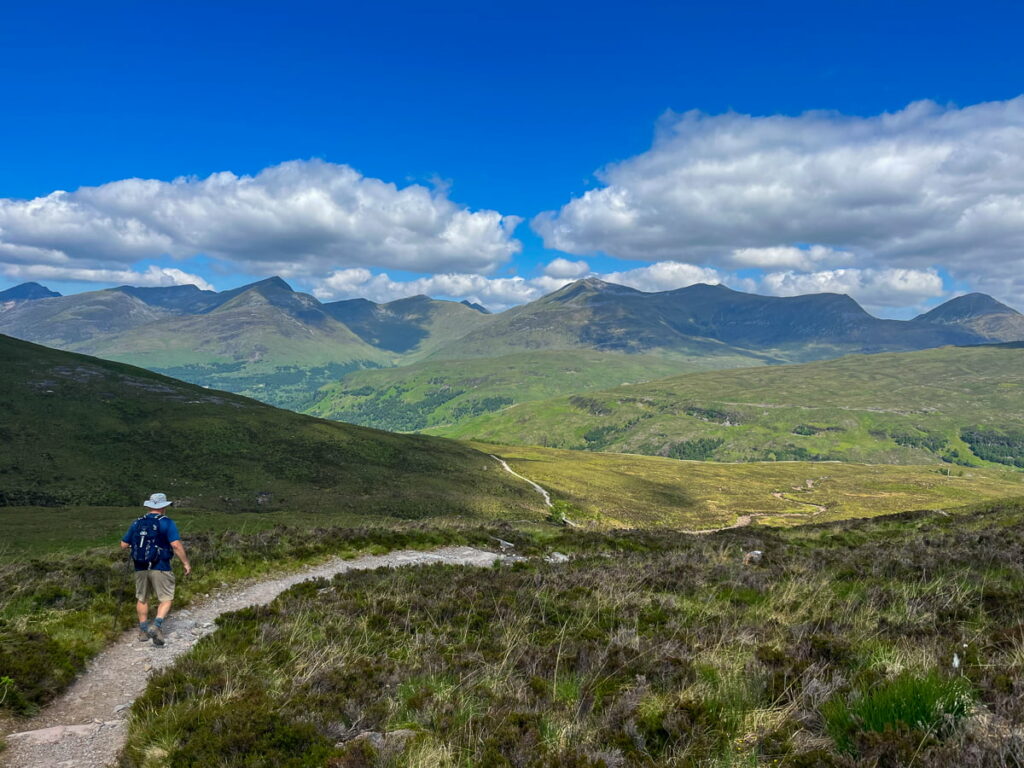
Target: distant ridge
699,320
979,313
27,292
474,305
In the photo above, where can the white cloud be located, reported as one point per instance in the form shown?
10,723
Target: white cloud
664,276
788,256
875,288
923,188
495,293
153,277
564,268
304,218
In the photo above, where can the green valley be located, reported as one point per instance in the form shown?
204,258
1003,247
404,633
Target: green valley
434,392
961,405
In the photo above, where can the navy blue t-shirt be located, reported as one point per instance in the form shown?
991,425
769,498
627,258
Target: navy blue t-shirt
167,532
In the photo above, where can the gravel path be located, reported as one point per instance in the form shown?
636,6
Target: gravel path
85,727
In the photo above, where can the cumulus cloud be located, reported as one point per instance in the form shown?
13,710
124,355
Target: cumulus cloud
153,277
875,288
921,188
300,218
564,268
664,276
496,293
788,256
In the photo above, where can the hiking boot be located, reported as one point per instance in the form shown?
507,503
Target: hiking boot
157,634
143,636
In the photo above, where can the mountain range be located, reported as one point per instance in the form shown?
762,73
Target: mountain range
281,346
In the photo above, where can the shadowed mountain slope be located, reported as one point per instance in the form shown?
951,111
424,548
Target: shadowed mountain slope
412,327
27,292
699,319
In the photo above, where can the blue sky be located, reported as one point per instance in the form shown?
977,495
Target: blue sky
513,109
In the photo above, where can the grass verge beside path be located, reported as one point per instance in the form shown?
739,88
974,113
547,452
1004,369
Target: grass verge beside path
59,610
647,649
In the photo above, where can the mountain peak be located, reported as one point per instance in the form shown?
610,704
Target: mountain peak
27,292
966,307
270,282
473,305
585,288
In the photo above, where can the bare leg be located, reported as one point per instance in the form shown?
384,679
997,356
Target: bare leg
142,609
163,609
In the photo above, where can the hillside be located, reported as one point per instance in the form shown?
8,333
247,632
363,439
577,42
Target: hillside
83,431
964,405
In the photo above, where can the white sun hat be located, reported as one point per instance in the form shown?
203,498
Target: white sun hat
157,501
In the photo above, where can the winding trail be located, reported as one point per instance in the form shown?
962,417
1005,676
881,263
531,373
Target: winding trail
742,521
85,727
541,491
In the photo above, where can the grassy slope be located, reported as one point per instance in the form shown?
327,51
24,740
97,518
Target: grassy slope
78,430
610,490
646,650
881,408
434,393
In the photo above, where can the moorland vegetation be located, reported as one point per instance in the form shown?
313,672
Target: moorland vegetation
890,642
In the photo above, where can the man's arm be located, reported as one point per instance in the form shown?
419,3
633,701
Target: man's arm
179,550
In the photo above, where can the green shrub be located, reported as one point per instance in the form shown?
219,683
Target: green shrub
924,706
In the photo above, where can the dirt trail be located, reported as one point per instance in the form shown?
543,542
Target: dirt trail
742,521
85,728
541,491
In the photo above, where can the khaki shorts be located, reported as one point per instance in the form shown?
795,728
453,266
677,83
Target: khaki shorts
159,583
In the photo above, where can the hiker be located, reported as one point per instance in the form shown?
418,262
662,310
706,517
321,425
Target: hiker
154,541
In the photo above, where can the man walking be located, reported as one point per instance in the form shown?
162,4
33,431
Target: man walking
154,541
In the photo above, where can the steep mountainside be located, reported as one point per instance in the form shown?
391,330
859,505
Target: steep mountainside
27,292
978,313
78,430
412,327
265,341
699,319
962,405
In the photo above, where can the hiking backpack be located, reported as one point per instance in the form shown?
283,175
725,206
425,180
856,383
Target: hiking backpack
144,544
